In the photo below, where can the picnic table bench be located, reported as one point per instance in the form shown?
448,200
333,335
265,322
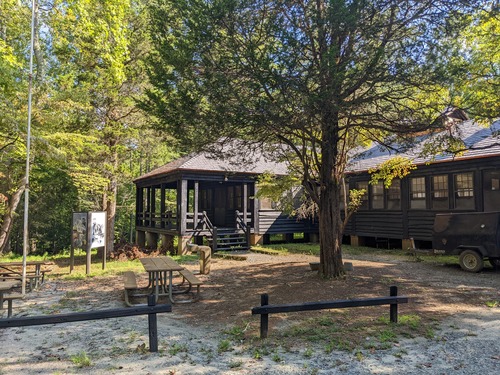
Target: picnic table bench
6,286
160,271
35,276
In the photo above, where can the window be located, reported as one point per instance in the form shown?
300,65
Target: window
439,192
267,204
417,193
491,186
206,202
363,185
377,195
394,195
464,191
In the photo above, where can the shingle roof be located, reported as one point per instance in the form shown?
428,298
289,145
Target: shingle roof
241,161
480,141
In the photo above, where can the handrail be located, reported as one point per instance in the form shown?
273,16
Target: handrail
241,224
206,221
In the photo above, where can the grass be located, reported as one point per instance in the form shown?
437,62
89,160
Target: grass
336,331
348,250
81,360
492,304
113,267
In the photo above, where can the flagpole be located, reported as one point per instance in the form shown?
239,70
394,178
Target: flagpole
28,146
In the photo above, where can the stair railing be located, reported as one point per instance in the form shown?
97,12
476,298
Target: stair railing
207,224
240,224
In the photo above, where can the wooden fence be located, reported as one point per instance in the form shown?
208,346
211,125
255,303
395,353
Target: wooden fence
151,309
265,309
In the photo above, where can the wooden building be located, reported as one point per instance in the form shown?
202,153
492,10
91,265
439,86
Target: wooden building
202,198
205,198
445,183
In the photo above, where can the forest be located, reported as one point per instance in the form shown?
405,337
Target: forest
121,87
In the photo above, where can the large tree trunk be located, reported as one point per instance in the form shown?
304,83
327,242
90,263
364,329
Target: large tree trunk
330,223
7,219
330,232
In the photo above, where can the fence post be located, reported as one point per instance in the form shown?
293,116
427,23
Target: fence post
153,326
394,306
264,318
214,240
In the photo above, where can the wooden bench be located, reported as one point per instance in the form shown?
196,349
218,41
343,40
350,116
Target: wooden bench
192,281
9,298
130,286
32,279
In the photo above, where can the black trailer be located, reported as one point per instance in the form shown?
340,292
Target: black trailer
472,236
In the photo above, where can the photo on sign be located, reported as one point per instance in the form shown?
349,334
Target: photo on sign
79,230
97,229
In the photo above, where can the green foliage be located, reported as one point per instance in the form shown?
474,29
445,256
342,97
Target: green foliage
474,65
282,190
396,167
355,199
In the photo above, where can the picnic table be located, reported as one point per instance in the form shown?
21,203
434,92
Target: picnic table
160,271
6,286
13,271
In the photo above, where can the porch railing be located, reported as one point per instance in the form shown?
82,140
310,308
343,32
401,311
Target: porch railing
242,224
166,220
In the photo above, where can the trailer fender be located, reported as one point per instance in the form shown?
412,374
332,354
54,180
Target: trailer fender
479,249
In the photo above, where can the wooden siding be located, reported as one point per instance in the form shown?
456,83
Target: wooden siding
420,224
388,224
275,222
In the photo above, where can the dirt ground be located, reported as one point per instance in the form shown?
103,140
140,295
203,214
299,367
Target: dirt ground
454,322
233,287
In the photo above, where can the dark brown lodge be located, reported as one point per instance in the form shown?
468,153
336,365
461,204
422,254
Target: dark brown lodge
202,198
212,200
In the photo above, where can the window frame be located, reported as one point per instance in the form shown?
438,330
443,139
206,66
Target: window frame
441,193
468,191
422,193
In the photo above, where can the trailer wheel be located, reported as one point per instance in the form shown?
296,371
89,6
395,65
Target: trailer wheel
495,262
471,261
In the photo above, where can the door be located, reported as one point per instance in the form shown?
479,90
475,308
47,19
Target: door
220,207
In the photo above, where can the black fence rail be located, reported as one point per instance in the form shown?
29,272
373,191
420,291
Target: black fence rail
265,309
151,309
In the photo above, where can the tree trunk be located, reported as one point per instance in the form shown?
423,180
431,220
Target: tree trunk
330,232
7,219
112,195
331,173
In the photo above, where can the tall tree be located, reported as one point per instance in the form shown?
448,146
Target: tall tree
475,66
317,76
99,47
14,38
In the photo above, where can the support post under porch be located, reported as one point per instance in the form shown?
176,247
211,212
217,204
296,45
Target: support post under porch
140,238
